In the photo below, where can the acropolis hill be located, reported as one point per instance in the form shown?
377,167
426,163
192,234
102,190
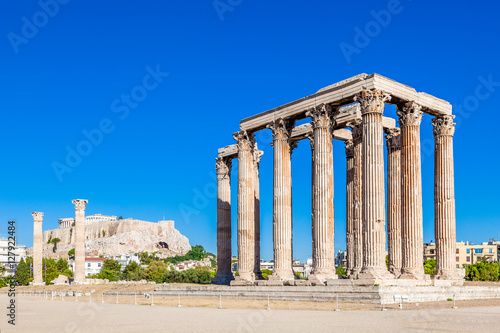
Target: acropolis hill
108,236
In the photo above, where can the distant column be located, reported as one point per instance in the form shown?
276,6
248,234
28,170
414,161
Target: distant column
37,249
257,155
357,198
323,221
444,200
410,117
246,206
372,107
224,274
349,153
282,201
393,141
80,204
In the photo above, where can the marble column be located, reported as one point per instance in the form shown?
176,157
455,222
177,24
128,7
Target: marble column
444,199
323,209
246,206
282,201
357,198
410,117
349,152
37,249
374,269
80,204
257,155
224,274
310,136
393,141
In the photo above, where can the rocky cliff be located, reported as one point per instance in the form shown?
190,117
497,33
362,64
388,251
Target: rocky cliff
114,238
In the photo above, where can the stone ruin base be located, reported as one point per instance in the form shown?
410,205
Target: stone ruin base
345,291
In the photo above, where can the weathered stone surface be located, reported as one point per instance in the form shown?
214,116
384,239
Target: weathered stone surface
410,117
37,249
393,141
121,237
282,201
444,200
79,240
374,270
61,280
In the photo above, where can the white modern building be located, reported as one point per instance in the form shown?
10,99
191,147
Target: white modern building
19,252
92,265
126,259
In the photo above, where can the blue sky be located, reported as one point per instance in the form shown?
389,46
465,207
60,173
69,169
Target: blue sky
67,75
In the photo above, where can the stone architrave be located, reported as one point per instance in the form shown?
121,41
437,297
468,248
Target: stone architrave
349,153
246,206
393,141
224,274
282,201
323,207
80,240
357,197
410,117
37,249
374,269
444,200
257,155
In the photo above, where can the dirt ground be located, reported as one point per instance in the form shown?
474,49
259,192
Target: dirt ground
229,303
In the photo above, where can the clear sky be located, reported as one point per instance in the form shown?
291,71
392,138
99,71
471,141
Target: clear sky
158,86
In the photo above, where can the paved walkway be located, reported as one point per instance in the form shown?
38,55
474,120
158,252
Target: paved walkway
35,314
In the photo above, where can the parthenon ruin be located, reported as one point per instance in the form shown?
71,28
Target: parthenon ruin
356,104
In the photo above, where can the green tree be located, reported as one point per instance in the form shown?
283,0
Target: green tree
111,270
71,253
341,270
482,270
156,271
429,266
23,272
132,272
55,241
266,272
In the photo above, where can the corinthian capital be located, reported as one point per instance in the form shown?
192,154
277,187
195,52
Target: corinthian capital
349,148
224,165
257,155
409,113
321,116
357,129
37,216
393,138
282,129
443,126
372,101
79,204
244,140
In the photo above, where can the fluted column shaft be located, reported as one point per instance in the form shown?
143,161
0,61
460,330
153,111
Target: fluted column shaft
224,274
349,151
323,209
37,249
410,117
282,200
444,199
79,276
357,206
393,141
246,206
372,108
256,162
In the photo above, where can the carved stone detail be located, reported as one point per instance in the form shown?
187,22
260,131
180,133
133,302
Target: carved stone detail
443,125
372,101
409,113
